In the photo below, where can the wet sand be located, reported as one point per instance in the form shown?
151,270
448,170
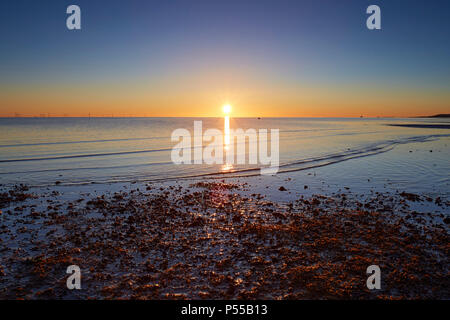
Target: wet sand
218,240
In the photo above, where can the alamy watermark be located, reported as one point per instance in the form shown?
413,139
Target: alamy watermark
374,20
374,280
219,148
74,280
73,21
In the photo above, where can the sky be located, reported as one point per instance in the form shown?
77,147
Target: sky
312,58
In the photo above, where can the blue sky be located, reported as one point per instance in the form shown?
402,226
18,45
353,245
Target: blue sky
321,43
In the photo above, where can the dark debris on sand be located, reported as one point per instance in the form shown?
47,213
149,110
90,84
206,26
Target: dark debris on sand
210,242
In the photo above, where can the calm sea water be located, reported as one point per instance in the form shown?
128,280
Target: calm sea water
41,151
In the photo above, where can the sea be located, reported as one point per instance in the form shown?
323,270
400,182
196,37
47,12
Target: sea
410,153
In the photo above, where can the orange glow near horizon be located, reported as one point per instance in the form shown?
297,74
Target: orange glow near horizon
252,99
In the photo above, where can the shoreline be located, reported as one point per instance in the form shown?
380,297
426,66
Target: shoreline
221,240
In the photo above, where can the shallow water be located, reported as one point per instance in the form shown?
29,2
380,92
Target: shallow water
41,151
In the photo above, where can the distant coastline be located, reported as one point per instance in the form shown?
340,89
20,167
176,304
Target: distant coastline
441,115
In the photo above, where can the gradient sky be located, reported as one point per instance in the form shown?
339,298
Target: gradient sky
188,58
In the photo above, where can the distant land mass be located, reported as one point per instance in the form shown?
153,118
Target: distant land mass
442,115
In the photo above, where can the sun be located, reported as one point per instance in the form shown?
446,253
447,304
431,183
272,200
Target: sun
226,109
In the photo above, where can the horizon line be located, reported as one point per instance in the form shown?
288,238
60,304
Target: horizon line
236,117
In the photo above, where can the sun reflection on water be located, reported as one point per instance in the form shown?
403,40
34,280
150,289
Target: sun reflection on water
226,128
227,167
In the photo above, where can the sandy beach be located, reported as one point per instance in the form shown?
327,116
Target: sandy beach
217,239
